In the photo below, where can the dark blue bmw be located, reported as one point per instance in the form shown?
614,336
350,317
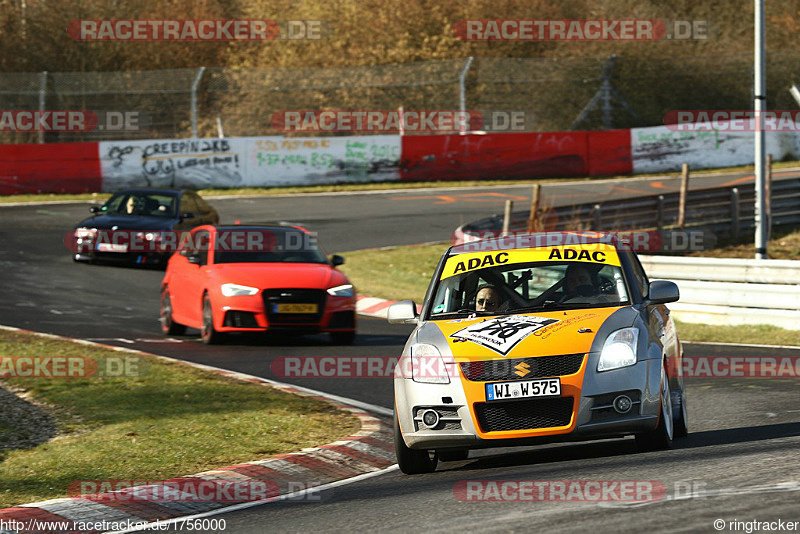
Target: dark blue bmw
140,225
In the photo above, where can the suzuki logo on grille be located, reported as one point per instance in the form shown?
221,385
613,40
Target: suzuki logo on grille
522,369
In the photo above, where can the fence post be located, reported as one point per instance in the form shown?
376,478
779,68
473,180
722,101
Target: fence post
462,91
195,85
735,213
533,221
42,95
507,217
660,213
682,200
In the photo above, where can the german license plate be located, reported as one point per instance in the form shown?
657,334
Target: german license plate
111,247
296,308
548,387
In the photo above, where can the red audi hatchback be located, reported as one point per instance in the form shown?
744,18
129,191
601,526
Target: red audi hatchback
256,278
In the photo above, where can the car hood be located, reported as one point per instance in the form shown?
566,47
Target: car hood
522,335
278,275
126,222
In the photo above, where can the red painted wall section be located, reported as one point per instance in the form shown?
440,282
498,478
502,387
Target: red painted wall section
50,168
515,155
609,153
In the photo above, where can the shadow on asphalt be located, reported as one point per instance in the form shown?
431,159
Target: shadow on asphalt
708,438
123,265
623,447
265,339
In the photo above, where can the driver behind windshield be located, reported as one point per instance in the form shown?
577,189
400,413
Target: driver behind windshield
579,281
488,299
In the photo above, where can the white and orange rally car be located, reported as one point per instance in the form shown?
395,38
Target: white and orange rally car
537,338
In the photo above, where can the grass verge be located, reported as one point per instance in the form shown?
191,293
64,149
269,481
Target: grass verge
173,420
394,273
784,245
398,273
755,334
374,186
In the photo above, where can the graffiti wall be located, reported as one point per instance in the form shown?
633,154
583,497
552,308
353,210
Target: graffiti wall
660,149
248,161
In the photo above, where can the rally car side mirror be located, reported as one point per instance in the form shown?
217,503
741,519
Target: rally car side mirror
403,312
662,291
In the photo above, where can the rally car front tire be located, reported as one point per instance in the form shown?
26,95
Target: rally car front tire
411,461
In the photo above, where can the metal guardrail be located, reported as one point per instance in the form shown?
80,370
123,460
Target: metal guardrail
732,291
713,290
722,211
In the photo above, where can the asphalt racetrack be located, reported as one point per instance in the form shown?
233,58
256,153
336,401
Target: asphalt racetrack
740,461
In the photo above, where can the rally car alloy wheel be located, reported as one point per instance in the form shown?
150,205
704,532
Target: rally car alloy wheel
661,437
410,461
168,324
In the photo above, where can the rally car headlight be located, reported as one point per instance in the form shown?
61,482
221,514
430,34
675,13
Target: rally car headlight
427,365
619,350
235,290
345,290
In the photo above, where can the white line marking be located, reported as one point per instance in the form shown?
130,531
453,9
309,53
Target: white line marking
243,506
792,347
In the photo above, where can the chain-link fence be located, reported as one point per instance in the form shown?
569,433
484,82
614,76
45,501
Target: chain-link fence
555,94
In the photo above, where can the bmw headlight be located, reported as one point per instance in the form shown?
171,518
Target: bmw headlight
619,350
345,290
85,233
235,290
427,365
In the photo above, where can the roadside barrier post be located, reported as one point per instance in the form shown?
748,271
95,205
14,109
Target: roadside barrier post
598,216
507,217
533,222
768,194
682,200
735,213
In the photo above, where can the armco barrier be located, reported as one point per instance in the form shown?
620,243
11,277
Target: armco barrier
716,211
49,168
732,291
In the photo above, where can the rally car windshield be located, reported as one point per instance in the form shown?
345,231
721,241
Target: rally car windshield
528,287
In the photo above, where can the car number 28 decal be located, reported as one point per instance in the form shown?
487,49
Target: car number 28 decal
502,334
